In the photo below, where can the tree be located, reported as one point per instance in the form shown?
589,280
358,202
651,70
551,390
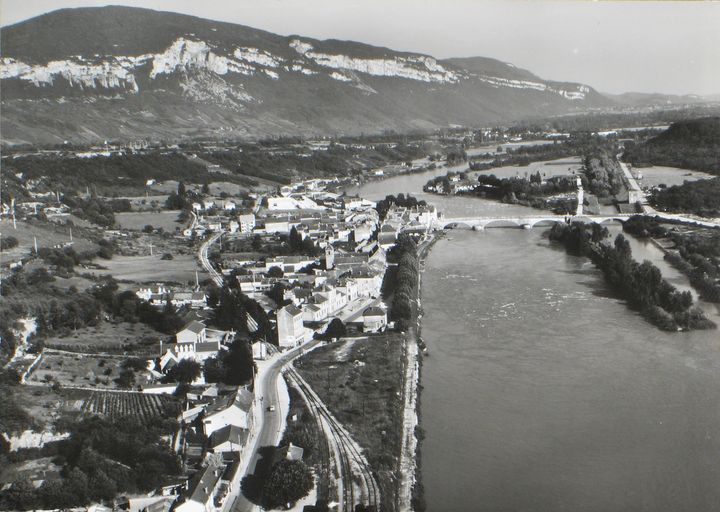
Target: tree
289,481
181,189
126,379
186,371
275,272
205,188
335,329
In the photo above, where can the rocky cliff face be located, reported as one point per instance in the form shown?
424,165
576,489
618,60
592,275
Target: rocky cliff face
133,73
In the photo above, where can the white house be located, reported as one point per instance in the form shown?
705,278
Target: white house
374,319
202,491
229,439
193,332
235,409
247,222
291,331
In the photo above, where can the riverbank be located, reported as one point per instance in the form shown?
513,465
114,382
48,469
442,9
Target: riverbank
411,492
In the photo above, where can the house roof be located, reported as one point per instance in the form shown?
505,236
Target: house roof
289,452
291,310
373,311
205,485
244,399
194,326
210,346
229,433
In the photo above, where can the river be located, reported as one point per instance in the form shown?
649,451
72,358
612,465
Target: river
544,392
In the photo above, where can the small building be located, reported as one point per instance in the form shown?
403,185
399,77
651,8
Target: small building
247,222
230,438
193,332
287,452
201,491
374,319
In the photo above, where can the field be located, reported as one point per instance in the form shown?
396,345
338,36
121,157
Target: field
48,235
361,382
655,175
115,404
78,370
549,168
136,221
109,337
45,406
151,269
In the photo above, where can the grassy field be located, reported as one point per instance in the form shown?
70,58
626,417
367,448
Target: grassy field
46,406
47,234
109,337
167,220
361,381
150,269
78,370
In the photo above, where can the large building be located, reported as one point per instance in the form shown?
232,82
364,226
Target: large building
290,328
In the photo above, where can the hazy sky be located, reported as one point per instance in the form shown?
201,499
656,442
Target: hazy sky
670,47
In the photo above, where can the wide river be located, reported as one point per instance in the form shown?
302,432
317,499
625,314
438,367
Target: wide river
544,392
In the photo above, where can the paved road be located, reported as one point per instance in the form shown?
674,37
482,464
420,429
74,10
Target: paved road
268,423
203,257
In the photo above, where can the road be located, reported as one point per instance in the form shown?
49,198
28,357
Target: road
267,423
205,262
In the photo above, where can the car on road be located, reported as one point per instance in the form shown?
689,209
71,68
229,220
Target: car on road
271,408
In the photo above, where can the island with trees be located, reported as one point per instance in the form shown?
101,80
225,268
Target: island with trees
640,284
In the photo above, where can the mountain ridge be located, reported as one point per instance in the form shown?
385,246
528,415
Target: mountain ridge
70,73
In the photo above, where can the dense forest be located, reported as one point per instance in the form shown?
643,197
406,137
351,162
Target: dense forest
640,284
692,144
701,197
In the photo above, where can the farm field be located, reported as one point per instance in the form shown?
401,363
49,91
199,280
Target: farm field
108,337
167,220
152,269
78,370
144,406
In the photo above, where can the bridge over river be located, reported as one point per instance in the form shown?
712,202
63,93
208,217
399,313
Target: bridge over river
527,222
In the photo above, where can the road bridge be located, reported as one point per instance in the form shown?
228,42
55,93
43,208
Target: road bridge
527,222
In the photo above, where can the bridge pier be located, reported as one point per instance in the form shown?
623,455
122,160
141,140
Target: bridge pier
478,227
527,226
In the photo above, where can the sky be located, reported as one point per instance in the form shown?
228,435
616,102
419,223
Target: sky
614,46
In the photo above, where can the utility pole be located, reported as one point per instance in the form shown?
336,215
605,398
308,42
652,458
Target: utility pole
35,243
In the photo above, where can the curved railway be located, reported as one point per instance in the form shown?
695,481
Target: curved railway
351,460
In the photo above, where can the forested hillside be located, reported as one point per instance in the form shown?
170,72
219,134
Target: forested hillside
692,144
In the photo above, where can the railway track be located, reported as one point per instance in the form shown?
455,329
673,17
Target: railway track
353,466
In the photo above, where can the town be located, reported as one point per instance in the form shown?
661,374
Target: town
283,274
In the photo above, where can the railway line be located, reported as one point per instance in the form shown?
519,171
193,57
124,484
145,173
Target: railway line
358,484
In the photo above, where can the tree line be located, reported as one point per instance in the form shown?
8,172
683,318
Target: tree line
696,254
401,281
640,284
